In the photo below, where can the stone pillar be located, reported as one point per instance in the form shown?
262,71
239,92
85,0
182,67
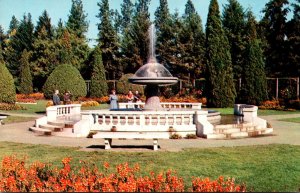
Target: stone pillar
203,126
152,97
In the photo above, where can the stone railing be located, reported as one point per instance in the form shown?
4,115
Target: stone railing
249,113
62,110
180,121
163,105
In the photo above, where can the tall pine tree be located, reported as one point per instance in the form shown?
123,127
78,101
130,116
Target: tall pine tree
220,89
44,23
254,83
26,86
108,41
234,23
99,86
273,26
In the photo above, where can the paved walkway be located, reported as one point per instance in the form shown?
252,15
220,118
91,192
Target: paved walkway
284,133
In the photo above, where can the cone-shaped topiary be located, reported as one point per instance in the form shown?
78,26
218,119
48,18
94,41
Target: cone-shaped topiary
65,77
7,86
98,81
26,85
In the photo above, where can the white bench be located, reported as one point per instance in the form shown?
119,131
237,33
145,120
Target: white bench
109,135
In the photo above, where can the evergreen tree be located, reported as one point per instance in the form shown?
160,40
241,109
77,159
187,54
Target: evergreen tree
166,42
234,23
23,39
293,35
45,57
274,24
254,84
136,38
108,41
77,23
220,89
192,41
99,86
7,87
126,13
26,86
75,41
44,22
13,25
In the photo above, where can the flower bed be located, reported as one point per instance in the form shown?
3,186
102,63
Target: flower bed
40,177
31,98
8,107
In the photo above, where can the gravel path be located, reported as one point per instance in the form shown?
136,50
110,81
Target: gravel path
284,133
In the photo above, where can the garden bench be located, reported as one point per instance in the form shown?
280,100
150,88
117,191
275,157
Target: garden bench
109,135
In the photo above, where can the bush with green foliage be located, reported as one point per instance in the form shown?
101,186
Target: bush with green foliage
65,77
98,81
26,85
7,86
123,86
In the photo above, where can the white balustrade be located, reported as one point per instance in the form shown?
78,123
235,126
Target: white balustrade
62,110
167,105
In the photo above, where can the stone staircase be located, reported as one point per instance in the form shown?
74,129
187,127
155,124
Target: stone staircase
236,131
61,127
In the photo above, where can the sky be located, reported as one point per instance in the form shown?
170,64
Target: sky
61,8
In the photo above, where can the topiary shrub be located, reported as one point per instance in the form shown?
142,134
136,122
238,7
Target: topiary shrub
65,77
123,86
7,86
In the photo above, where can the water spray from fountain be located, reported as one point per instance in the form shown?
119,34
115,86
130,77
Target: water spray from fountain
152,74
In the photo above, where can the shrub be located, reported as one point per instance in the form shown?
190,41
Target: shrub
191,136
65,77
7,86
8,107
123,86
26,85
175,136
99,86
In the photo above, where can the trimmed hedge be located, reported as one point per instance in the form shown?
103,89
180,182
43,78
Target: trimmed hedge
65,77
7,86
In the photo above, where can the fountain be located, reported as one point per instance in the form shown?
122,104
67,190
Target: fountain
154,119
152,74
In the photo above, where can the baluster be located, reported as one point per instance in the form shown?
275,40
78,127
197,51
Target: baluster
191,119
167,120
118,120
111,119
103,120
174,120
182,119
158,120
126,119
134,119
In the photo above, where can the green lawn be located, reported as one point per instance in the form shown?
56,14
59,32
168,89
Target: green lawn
17,119
293,120
263,168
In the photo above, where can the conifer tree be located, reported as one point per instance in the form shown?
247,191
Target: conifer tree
99,86
293,35
234,23
254,83
108,41
127,14
44,22
192,42
136,38
273,26
13,25
77,23
220,89
26,86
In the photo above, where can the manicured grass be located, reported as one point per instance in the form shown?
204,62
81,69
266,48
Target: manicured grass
263,168
226,111
17,119
293,120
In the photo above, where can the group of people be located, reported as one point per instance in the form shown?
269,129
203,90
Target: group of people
66,98
131,98
113,98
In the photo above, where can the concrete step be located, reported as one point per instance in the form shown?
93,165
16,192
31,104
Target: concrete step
227,131
215,136
56,123
239,135
51,127
40,131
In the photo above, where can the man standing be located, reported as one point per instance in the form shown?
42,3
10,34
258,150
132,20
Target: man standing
55,98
